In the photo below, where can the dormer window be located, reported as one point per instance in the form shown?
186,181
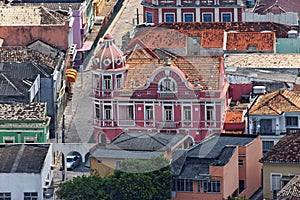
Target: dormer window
167,85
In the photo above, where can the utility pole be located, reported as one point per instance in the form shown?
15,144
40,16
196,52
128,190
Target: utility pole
62,155
63,130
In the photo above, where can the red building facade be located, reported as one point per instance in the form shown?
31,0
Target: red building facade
146,93
158,11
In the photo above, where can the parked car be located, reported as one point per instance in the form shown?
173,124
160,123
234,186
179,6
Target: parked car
72,162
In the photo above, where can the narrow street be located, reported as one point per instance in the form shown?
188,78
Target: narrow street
78,113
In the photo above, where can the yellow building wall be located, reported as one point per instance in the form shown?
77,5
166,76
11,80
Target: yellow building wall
284,169
105,168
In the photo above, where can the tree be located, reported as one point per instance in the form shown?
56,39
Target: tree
135,180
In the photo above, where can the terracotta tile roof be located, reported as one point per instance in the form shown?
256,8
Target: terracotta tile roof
234,116
277,6
243,41
212,38
160,38
291,189
23,54
29,15
263,60
287,150
23,112
281,30
203,69
276,103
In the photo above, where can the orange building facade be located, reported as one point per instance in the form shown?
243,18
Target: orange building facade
217,168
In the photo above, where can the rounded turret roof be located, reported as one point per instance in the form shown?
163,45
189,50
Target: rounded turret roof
109,56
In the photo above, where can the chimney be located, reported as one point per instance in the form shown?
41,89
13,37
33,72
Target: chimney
167,62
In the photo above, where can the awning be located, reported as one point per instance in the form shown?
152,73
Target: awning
71,75
86,46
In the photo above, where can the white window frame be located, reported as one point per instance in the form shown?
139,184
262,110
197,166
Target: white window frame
271,180
188,13
292,117
213,120
31,197
205,13
164,113
104,112
9,138
146,113
96,81
133,113
104,82
95,110
119,81
162,83
226,13
5,195
168,13
30,138
184,114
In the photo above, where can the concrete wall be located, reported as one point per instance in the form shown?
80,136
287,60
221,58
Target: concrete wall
18,183
284,18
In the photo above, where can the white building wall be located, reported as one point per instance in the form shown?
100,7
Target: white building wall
18,183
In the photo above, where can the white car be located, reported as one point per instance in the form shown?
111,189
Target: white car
72,162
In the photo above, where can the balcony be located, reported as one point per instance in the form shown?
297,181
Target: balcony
167,125
129,122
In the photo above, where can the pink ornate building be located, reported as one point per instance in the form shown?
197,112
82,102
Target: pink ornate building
158,11
145,92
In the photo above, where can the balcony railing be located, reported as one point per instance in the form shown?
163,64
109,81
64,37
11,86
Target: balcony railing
167,124
126,122
156,124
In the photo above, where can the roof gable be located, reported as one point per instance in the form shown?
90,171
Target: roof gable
277,6
276,103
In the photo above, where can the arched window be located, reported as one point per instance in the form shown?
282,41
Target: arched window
102,138
167,85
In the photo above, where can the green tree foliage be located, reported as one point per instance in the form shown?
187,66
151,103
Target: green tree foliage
135,180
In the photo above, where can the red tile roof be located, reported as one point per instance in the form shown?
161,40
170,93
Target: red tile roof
287,150
242,41
277,6
234,116
276,103
141,64
281,30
